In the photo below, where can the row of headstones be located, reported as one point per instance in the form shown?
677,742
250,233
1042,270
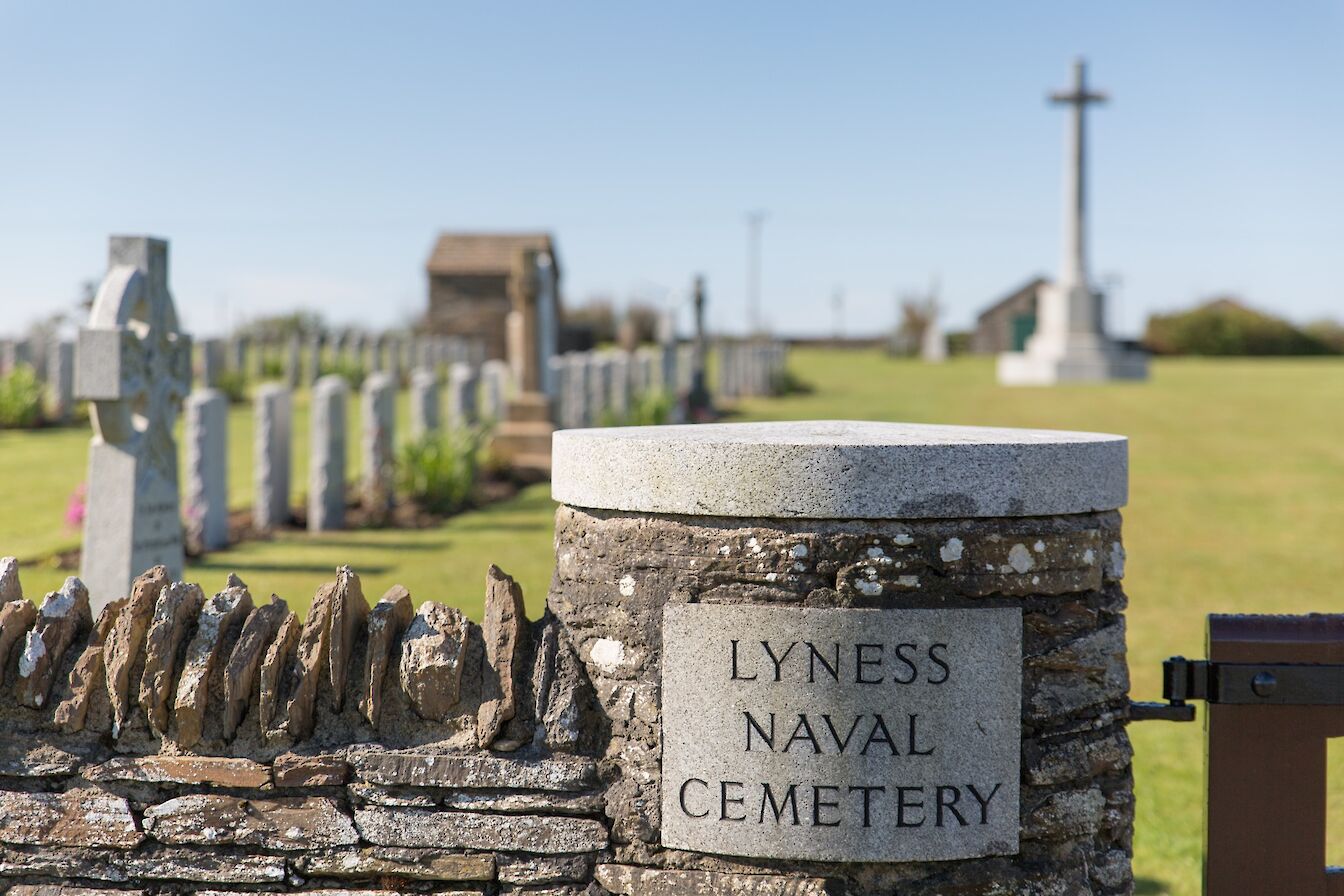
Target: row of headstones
593,388
474,395
302,360
751,369
54,365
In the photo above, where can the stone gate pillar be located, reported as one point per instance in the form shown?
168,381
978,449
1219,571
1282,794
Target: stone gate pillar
852,658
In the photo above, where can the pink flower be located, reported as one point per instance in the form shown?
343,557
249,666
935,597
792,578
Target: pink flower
74,508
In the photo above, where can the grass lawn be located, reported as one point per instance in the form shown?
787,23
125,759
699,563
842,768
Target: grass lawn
1236,505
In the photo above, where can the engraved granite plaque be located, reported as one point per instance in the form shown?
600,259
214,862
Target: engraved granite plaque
841,734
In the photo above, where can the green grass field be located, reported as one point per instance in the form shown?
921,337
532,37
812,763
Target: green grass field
1236,505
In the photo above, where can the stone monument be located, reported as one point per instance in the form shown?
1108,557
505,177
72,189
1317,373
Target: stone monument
861,658
271,460
326,446
1070,344
134,365
378,440
933,341
207,498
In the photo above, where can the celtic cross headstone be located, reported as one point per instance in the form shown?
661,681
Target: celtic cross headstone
134,365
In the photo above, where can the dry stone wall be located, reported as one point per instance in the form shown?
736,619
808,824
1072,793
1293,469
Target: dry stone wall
181,742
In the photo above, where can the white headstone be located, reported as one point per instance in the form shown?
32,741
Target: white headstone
293,354
207,498
424,402
61,380
326,468
135,366
619,366
463,385
558,378
271,453
378,437
495,378
212,362
599,387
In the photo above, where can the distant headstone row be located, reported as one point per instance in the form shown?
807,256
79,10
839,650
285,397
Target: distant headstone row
52,362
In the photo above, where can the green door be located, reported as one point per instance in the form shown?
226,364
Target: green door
1023,326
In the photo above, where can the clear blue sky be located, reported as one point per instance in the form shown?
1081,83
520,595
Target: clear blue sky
305,154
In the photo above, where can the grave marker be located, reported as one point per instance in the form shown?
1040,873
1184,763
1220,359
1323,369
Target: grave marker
326,470
272,435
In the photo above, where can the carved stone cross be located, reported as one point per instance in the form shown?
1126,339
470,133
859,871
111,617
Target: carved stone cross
135,366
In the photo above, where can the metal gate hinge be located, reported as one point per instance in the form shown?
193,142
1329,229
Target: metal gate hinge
1241,684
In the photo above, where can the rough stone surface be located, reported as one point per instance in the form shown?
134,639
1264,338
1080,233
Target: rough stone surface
16,618
387,621
63,615
270,696
630,880
433,653
472,830
424,769
839,470
73,818
311,663
122,649
504,631
217,771
284,823
216,628
10,589
240,675
414,864
349,613
325,770
532,870
178,605
200,866
87,677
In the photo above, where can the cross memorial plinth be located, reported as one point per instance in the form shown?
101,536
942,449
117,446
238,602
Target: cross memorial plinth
1070,343
134,365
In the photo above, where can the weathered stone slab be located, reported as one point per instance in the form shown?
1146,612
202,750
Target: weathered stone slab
313,648
176,610
63,890
325,770
379,795
207,489
474,771
504,632
218,771
222,613
20,758
387,622
88,676
122,648
202,866
433,652
840,470
349,610
531,870
1088,671
278,655
52,861
548,803
16,618
63,615
240,675
841,734
272,433
285,823
632,880
415,864
74,818
473,830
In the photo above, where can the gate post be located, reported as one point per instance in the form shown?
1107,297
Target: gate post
1265,822
852,658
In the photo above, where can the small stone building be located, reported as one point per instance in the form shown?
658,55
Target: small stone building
1005,325
472,288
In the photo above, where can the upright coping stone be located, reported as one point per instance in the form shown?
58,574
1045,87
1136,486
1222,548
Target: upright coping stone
326,469
875,654
207,499
272,432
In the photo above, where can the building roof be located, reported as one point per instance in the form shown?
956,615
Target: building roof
485,253
1030,287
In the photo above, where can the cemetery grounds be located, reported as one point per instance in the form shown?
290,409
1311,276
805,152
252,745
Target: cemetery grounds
1236,506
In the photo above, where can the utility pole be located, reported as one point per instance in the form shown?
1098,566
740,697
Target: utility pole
754,221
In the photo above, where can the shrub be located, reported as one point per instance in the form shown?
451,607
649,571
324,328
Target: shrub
353,372
233,384
20,399
439,470
1226,327
652,408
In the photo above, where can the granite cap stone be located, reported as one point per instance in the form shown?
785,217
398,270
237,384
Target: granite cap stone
840,469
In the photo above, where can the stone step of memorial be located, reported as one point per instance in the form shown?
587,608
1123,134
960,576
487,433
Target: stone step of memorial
533,407
524,445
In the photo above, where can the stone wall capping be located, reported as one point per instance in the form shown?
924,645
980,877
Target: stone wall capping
839,469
